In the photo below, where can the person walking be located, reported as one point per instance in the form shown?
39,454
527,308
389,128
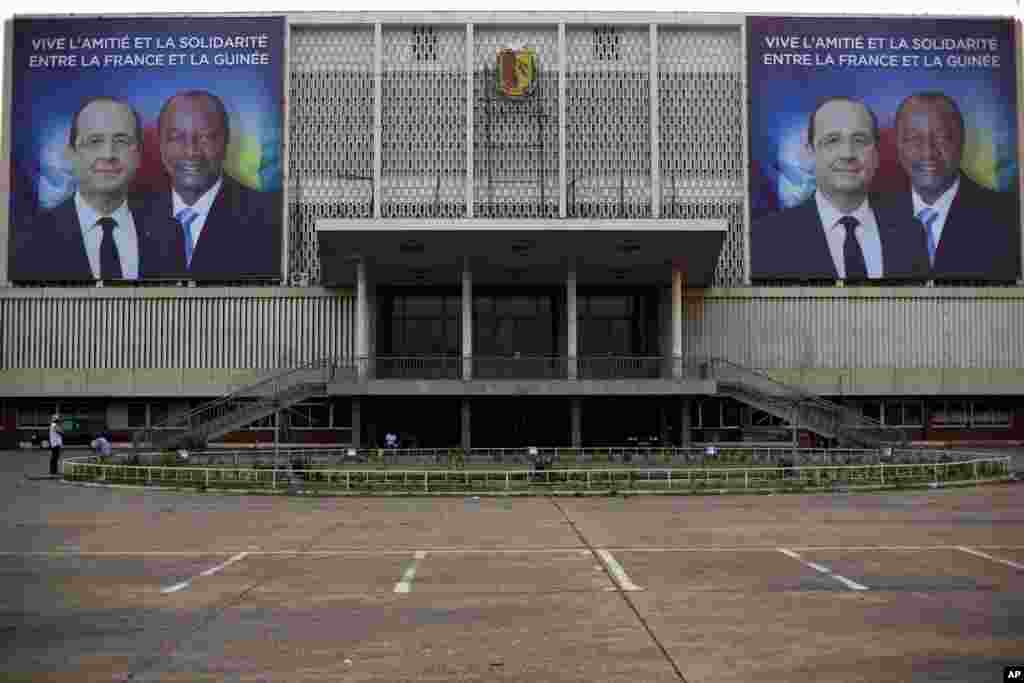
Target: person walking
56,443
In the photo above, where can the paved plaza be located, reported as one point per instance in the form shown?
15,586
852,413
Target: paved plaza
100,584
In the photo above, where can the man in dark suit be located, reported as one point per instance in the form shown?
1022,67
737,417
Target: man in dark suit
98,233
837,234
971,232
230,232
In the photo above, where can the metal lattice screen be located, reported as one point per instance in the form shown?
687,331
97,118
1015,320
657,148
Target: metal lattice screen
515,145
330,136
700,108
608,149
424,122
515,141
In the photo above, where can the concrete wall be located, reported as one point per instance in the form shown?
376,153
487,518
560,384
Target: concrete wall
207,341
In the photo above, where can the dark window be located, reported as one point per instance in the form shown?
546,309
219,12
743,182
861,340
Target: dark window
136,415
989,413
35,415
424,44
606,43
952,413
311,415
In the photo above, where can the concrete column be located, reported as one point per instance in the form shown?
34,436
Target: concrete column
576,420
685,435
571,335
470,96
467,322
357,423
655,125
563,174
466,425
677,323
378,114
362,321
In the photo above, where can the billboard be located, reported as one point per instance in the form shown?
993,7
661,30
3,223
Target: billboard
147,148
883,149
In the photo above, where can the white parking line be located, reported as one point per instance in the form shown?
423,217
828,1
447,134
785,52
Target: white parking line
1009,563
853,585
405,585
457,550
617,572
208,572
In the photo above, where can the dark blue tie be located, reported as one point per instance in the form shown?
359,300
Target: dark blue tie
110,261
853,257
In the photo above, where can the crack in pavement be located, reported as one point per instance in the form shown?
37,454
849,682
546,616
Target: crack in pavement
621,591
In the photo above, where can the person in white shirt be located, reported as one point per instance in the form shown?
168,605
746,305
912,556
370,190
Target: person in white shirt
98,233
101,445
971,231
56,443
229,231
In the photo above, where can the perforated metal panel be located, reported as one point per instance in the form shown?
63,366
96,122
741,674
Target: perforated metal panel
233,328
515,140
424,125
608,151
700,108
330,136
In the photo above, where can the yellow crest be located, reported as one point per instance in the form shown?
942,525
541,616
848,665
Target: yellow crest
517,71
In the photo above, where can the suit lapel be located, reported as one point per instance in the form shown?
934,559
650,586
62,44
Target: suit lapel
73,258
209,248
819,256
950,246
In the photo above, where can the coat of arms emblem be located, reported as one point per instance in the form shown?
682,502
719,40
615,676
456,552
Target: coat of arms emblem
517,71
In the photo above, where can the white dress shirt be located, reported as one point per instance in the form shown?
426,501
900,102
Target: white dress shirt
125,237
866,233
201,207
941,206
56,438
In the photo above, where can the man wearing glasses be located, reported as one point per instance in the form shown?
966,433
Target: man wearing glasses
98,233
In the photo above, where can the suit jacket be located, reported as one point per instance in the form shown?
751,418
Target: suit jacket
241,238
791,245
980,240
50,247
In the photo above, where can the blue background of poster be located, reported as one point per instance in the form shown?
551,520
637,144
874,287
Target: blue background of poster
44,99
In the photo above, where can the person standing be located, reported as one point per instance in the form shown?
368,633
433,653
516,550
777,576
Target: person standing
56,443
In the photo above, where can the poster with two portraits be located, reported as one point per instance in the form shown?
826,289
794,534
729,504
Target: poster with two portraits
883,149
146,148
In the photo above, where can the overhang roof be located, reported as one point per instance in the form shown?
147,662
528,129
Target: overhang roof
426,252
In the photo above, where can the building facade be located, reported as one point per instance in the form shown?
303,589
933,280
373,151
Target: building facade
512,229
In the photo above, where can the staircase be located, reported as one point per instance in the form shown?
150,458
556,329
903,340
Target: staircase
241,407
795,405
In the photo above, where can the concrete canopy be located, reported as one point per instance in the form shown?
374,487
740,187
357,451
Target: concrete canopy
424,252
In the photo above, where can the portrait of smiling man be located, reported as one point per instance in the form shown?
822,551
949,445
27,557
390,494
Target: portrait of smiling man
99,233
971,231
228,230
838,233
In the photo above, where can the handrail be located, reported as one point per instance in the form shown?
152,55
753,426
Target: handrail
854,419
186,419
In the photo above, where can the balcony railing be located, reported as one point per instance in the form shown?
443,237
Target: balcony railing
605,367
